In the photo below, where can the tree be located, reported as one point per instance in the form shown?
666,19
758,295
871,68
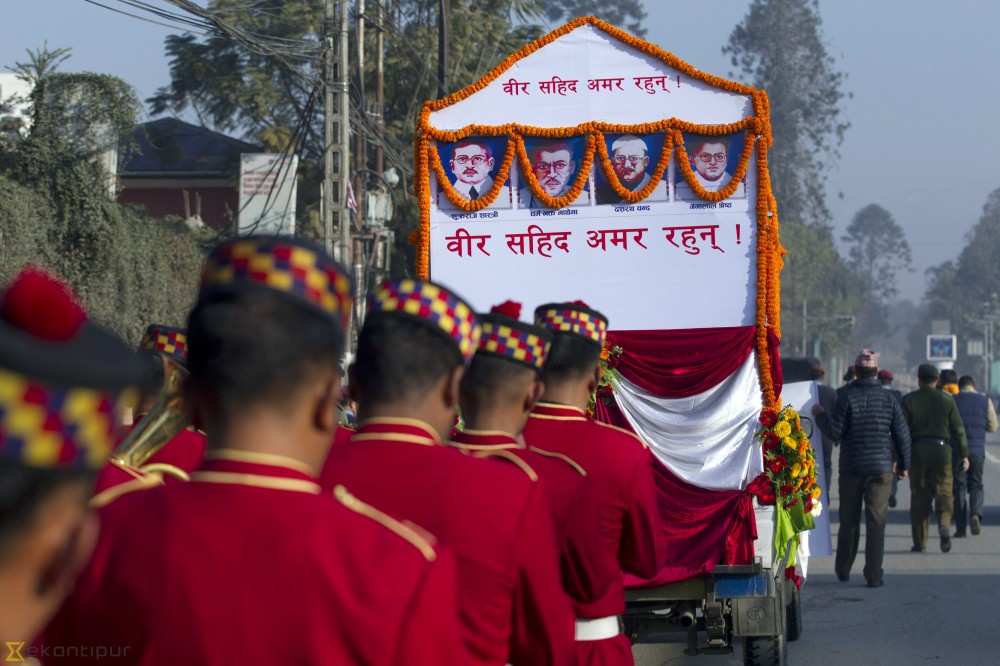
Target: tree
626,14
878,251
966,291
267,95
128,269
779,47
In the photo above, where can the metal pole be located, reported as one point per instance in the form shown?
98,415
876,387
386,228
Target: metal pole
343,139
379,93
329,125
805,326
359,136
444,31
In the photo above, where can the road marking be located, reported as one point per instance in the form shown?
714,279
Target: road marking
992,458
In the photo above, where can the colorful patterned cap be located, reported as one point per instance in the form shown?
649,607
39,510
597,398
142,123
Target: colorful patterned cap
289,266
573,318
514,340
168,340
62,379
430,304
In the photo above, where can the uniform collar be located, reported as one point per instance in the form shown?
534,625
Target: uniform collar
483,440
551,410
260,470
397,429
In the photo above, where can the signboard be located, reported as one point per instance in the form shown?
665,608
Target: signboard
942,347
588,168
267,193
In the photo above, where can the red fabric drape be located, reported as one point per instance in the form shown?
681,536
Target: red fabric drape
703,528
681,363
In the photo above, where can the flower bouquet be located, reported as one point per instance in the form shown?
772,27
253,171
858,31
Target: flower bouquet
789,462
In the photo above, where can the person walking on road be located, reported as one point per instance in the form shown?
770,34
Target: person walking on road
979,418
870,426
934,421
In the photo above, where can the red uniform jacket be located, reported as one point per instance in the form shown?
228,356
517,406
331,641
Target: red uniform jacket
621,468
492,515
587,572
249,563
185,452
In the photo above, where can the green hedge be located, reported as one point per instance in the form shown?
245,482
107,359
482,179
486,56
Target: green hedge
129,269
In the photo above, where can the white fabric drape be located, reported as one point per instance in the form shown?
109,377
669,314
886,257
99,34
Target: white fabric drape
705,439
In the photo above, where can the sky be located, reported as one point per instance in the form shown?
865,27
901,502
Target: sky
919,71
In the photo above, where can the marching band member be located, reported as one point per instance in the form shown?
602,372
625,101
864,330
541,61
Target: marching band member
498,391
618,461
160,346
249,562
412,351
61,380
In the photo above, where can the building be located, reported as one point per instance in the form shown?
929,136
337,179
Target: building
176,168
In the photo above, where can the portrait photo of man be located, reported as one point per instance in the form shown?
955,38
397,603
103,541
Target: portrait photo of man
470,165
709,157
555,167
630,158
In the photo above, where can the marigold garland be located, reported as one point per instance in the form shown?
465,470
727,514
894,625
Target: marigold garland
769,249
582,178
654,180
485,200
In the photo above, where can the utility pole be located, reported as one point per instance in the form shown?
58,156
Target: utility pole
444,37
336,221
379,80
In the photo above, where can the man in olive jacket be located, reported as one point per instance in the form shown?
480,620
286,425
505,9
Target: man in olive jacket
934,421
870,426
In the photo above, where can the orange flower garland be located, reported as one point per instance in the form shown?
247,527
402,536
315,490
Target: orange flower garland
536,188
769,249
654,180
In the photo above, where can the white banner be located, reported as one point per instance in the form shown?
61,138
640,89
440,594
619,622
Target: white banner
267,193
669,261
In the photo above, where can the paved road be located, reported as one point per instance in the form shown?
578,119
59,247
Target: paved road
934,608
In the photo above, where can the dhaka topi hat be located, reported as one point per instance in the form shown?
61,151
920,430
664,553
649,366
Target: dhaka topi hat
290,267
575,318
63,380
432,305
506,336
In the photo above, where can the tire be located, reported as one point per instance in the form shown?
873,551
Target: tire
793,615
764,651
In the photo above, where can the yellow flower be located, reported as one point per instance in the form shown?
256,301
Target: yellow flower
782,429
789,442
816,491
605,354
796,468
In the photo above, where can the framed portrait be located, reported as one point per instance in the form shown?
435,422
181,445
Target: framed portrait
713,160
556,164
634,159
471,165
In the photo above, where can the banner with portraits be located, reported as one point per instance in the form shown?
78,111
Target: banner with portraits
593,159
591,165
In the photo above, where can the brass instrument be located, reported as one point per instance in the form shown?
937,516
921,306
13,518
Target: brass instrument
167,418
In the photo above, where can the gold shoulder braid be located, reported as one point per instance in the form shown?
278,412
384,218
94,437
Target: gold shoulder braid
507,455
553,454
418,537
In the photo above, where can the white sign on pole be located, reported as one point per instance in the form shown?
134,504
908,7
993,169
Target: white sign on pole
267,193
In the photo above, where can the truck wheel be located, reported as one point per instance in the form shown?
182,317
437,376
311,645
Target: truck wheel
764,650
793,615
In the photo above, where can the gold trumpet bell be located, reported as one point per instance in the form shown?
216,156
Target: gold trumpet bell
161,424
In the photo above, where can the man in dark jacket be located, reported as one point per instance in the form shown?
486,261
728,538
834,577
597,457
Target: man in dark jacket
870,426
979,418
934,421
